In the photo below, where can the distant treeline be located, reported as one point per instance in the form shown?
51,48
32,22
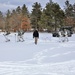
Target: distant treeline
50,18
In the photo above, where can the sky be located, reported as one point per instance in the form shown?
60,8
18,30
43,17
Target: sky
12,4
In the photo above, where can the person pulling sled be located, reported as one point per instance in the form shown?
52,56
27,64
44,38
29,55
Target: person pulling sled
6,36
20,35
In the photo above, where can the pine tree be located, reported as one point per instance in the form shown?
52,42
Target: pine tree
1,21
18,10
7,20
68,9
25,11
54,15
36,15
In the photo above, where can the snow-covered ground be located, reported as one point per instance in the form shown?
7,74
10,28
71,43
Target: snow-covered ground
48,57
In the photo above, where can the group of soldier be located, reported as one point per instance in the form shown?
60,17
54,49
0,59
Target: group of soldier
20,34
63,36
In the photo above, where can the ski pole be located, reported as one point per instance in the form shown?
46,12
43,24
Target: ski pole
15,37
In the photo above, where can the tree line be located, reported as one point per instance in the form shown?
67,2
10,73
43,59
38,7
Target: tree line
51,17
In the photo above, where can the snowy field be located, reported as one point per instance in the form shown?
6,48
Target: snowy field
48,57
